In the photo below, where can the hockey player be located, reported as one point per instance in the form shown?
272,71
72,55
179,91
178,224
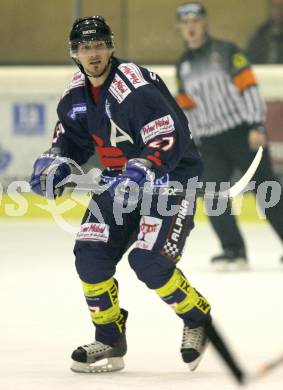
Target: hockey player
128,116
219,93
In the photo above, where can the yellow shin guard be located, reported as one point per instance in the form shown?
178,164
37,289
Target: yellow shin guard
181,296
103,303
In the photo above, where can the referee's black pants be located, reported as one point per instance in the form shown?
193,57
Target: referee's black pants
222,154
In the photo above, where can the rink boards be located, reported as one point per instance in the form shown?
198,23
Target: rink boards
30,206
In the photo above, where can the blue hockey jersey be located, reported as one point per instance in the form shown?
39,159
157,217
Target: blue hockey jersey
136,117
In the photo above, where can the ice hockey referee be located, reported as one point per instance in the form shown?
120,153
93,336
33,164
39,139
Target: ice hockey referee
218,91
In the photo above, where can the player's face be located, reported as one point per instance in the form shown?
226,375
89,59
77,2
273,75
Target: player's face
94,57
193,30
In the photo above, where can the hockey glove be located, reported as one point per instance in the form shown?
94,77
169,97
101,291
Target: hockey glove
48,170
137,172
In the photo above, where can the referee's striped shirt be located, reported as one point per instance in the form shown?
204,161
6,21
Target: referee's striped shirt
217,89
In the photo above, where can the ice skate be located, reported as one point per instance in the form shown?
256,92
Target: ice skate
230,261
193,345
97,357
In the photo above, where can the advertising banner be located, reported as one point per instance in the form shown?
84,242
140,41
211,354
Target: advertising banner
27,124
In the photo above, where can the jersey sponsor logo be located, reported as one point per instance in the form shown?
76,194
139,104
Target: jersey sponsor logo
93,232
179,222
148,233
76,110
133,74
161,182
78,80
119,89
175,241
163,125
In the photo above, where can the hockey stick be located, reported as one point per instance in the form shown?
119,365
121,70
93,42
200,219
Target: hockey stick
221,347
266,368
238,187
241,376
232,192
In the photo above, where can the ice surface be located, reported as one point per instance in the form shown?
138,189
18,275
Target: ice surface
44,315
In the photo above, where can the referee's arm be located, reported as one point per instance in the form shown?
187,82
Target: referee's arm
245,81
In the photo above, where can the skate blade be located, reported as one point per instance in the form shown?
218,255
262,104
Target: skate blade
238,266
228,266
194,365
220,266
104,365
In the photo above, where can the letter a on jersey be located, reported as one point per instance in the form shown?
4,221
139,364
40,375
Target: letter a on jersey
115,138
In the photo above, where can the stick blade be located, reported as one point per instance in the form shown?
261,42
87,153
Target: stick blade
238,187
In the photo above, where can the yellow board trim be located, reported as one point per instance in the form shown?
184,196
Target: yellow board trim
36,207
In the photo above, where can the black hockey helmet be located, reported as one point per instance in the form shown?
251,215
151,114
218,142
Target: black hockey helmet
90,28
194,8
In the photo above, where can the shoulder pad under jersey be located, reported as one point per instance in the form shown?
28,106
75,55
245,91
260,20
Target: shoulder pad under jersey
126,80
133,73
78,80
